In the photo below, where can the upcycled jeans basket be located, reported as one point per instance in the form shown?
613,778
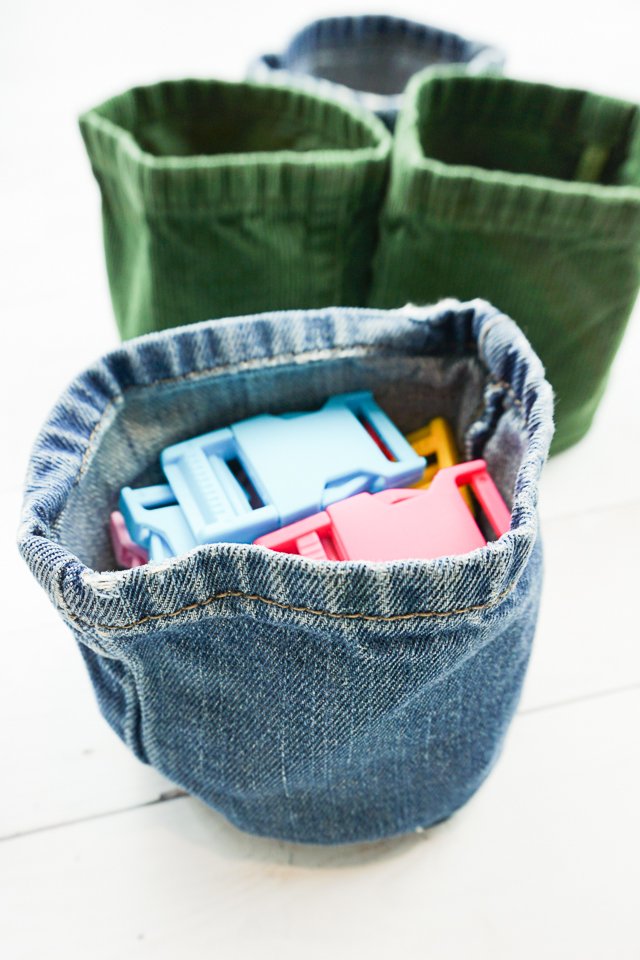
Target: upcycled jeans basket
227,198
528,195
312,701
370,59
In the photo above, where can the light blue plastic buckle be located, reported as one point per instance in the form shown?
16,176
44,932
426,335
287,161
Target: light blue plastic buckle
241,482
155,521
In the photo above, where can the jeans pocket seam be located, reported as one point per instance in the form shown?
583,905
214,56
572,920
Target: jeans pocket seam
108,629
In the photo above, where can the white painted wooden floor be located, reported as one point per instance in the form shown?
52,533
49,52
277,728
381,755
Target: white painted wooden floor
98,858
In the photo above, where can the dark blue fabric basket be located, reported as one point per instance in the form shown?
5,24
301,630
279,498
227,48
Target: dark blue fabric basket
371,58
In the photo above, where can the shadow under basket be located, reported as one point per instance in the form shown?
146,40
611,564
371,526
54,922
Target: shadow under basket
306,700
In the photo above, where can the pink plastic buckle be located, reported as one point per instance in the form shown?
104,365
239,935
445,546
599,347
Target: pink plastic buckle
127,552
400,524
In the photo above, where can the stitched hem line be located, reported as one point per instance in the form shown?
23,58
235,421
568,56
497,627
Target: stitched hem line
376,617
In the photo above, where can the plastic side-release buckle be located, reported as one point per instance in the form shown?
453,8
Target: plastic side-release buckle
128,554
400,524
155,521
221,496
436,443
243,481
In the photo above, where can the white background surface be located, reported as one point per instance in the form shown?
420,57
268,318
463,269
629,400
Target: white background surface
94,863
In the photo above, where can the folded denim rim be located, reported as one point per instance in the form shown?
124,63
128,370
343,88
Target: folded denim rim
237,181
496,200
334,33
103,600
347,31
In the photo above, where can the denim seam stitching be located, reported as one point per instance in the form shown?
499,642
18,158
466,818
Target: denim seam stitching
422,614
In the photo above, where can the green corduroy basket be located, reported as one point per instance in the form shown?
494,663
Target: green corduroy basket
527,195
223,198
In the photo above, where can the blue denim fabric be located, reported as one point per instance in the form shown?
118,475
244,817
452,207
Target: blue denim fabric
312,701
370,59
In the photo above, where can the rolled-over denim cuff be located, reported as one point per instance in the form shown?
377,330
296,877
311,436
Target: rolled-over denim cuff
223,198
529,195
314,701
370,59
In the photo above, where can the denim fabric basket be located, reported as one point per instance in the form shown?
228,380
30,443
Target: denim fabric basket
312,701
370,59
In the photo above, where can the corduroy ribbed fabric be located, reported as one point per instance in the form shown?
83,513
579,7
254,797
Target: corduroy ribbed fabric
528,195
223,198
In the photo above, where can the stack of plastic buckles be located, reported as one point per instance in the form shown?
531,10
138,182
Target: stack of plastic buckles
398,524
243,481
327,485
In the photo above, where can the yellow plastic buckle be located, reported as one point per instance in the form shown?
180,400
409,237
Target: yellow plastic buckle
436,442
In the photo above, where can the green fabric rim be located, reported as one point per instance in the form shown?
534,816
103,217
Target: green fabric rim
495,200
237,181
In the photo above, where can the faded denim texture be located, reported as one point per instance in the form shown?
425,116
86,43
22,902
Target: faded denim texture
370,59
312,701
